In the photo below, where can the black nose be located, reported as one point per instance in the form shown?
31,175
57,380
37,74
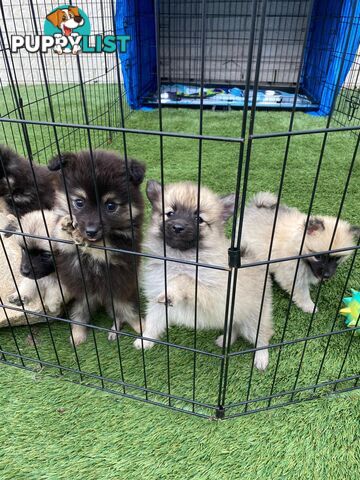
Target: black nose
78,19
92,231
177,228
25,271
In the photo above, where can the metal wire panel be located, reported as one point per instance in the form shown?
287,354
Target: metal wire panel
227,41
200,41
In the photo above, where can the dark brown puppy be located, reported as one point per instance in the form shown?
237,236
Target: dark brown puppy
17,185
98,194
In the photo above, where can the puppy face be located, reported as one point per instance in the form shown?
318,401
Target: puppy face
319,236
99,193
66,19
182,223
37,260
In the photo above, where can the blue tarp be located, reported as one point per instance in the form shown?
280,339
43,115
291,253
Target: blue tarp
336,21
138,65
325,67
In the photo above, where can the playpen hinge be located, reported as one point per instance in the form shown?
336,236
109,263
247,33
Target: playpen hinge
220,412
234,257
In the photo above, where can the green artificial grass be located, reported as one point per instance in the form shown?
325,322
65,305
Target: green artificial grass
95,437
54,430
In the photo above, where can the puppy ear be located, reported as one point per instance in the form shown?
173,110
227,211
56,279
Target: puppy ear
228,204
75,11
61,160
355,230
54,17
136,172
153,191
315,224
13,226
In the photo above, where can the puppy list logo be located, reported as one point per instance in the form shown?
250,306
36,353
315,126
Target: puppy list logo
67,30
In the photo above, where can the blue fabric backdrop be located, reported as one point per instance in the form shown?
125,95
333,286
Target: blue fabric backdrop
331,21
334,22
138,65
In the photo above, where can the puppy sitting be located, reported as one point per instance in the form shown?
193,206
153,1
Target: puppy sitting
99,189
38,260
18,192
289,231
180,228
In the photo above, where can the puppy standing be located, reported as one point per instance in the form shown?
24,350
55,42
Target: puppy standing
18,192
106,276
290,226
181,225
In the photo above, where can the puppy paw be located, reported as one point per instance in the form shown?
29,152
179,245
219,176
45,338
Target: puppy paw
76,49
308,307
16,300
146,344
112,336
219,341
79,336
170,299
70,226
261,360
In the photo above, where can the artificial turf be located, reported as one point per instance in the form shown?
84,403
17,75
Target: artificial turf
128,439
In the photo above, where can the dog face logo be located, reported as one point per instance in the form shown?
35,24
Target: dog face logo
68,25
66,19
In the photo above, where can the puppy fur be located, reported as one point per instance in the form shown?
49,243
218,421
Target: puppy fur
290,226
18,193
38,260
182,222
107,275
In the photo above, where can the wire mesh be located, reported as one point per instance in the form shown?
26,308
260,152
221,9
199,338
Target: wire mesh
51,104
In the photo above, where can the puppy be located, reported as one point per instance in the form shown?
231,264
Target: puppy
290,226
38,260
99,188
18,191
182,227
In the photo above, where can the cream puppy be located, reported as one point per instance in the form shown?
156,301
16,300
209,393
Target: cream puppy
183,227
289,232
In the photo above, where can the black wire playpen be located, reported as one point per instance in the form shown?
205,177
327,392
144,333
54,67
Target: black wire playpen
246,56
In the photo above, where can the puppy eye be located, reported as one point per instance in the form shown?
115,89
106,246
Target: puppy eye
111,206
198,218
79,203
46,255
318,257
170,214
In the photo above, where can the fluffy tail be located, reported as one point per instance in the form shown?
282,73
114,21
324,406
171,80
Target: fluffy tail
264,200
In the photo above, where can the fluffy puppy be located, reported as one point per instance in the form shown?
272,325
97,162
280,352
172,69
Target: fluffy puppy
289,231
99,201
38,260
182,227
18,191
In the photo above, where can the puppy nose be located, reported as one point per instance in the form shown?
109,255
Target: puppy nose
25,270
92,231
177,228
327,275
78,19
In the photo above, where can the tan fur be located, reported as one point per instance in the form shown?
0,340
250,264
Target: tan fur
10,259
3,206
52,295
212,284
290,226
